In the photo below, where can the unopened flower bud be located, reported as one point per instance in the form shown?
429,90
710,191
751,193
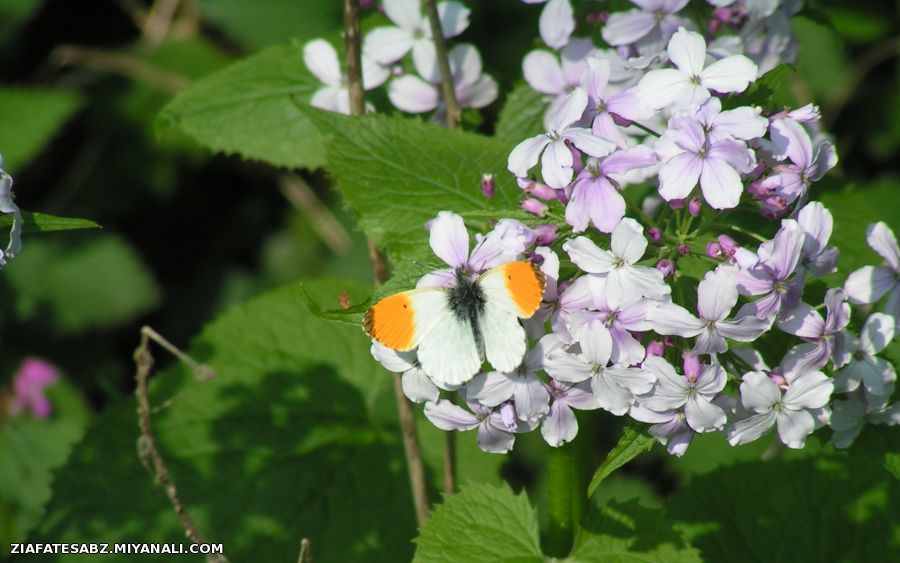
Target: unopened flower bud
655,348
691,366
695,206
655,235
684,249
714,251
666,266
729,246
535,206
537,189
508,416
546,235
676,203
487,185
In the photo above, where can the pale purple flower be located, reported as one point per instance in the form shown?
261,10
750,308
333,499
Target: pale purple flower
794,411
527,392
771,275
322,61
557,21
389,44
615,386
848,417
561,426
496,426
824,337
557,160
29,385
870,283
808,163
449,241
816,255
689,156
625,281
417,386
557,75
716,297
693,392
8,205
742,123
473,89
652,25
670,427
595,197
690,82
875,374
607,109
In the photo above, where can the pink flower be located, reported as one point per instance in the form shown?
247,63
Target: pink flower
33,377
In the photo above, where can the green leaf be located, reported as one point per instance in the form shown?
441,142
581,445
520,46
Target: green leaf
274,21
250,109
522,115
397,173
481,523
352,315
761,91
32,450
822,61
44,223
14,13
632,443
80,284
838,507
630,533
30,119
294,438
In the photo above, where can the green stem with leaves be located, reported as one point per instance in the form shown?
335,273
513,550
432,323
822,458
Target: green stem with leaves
565,499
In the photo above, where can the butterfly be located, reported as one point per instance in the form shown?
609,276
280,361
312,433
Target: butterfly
454,329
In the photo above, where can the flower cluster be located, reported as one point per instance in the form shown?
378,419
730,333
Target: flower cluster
29,388
678,301
8,205
404,52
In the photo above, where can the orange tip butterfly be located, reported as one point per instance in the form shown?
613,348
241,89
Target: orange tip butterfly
456,328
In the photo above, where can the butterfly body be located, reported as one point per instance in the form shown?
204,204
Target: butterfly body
456,328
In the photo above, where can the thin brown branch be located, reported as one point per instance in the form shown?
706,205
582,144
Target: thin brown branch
414,461
147,446
354,57
440,46
322,220
119,63
159,21
305,551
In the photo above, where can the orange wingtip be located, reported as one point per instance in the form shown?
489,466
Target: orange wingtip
525,282
391,322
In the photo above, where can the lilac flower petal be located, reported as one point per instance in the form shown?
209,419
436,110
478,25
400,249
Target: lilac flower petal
628,242
702,415
321,59
588,256
543,73
687,51
331,98
802,321
388,44
869,283
670,392
580,396
788,243
672,319
449,239
560,426
418,388
810,390
679,175
794,426
882,240
743,123
711,381
531,399
392,360
625,28
717,295
792,140
445,277
877,332
563,366
660,88
493,439
556,165
709,341
749,429
479,94
405,13
586,142
721,184
570,111
626,350
626,283
744,329
595,78
491,388
412,94
454,18
526,154
557,23
611,396
759,392
447,416
731,74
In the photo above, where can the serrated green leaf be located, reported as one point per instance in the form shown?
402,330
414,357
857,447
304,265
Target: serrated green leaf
32,450
522,115
482,523
630,533
397,173
74,285
634,441
44,223
30,119
352,315
293,438
250,109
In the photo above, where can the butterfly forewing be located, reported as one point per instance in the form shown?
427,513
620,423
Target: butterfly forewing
518,287
402,320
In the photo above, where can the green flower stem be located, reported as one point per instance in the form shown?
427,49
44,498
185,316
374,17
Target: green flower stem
565,499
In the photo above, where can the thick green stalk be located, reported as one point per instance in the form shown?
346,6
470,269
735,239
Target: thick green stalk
565,499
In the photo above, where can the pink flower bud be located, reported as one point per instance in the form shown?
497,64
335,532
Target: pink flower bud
666,266
684,249
695,206
729,246
655,348
714,251
487,185
535,206
676,203
537,189
692,367
669,341
779,379
546,235
655,235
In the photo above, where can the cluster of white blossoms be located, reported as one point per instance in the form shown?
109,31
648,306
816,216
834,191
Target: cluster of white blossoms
405,54
676,303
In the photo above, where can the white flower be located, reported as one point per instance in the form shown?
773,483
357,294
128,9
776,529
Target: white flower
557,160
322,61
875,374
794,411
7,205
624,280
412,32
693,392
870,283
417,386
690,82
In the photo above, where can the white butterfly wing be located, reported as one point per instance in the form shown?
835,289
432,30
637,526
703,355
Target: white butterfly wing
503,336
448,353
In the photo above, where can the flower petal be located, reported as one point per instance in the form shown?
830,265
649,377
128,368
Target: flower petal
679,175
560,426
869,283
543,73
702,415
418,387
731,74
625,28
628,242
794,426
669,318
491,388
405,13
810,390
454,18
526,154
556,165
687,51
449,239
447,416
322,61
557,23
588,256
759,392
387,44
749,429
882,240
716,295
411,94
721,184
